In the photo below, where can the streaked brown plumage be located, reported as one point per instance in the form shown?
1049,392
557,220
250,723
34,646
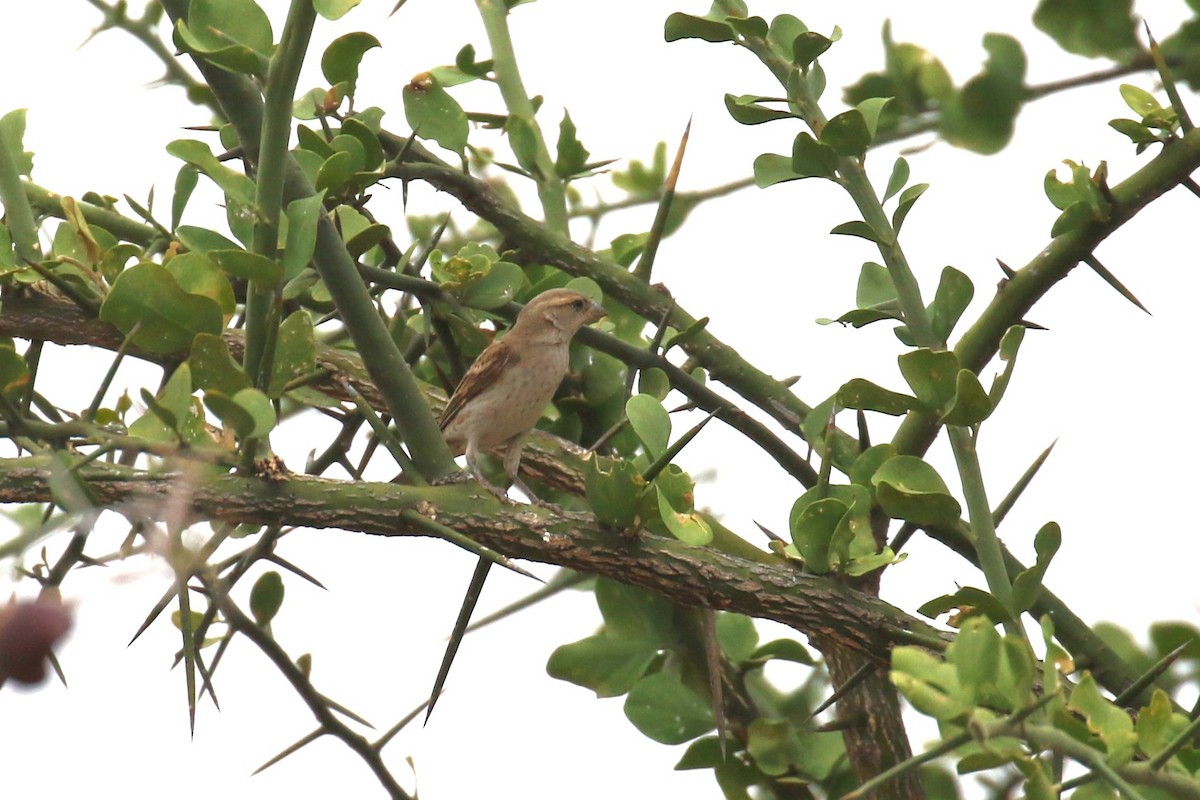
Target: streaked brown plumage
503,394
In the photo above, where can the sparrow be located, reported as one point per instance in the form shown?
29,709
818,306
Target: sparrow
503,394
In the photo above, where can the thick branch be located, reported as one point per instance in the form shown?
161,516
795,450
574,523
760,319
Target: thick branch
698,576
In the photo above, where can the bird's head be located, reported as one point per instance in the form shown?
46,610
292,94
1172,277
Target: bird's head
557,314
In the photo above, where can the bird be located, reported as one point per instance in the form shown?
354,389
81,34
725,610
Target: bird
504,392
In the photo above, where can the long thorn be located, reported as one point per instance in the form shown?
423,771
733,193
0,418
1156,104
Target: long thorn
1010,499
460,629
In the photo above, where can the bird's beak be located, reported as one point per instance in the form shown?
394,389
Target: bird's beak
598,312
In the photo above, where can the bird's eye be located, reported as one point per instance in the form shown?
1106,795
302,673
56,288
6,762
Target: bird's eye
577,304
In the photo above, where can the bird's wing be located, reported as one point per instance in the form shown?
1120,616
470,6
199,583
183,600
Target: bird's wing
496,358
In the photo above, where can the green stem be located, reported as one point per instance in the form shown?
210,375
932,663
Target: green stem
983,528
401,393
551,189
263,302
17,212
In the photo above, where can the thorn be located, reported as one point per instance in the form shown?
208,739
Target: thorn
1008,271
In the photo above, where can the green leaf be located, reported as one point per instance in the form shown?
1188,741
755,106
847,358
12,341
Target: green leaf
813,159
953,295
783,650
572,156
981,115
905,204
737,636
812,527
688,527
234,35
196,274
336,171
368,237
12,126
1027,586
932,375
899,177
295,352
613,490
665,710
167,318
499,285
433,114
523,142
1111,724
807,47
774,745
860,229
185,183
782,33
608,665
14,372
198,154
369,139
334,9
266,597
746,109
248,413
910,489
303,216
651,422
928,684
861,393
214,368
709,28
251,266
770,169
339,62
971,404
1009,344
1088,27
871,109
1139,100
847,134
967,601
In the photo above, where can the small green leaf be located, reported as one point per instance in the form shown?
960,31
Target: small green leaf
433,114
145,296
339,62
185,183
196,274
953,295
198,154
499,285
770,169
746,109
1111,724
612,491
572,156
214,368
860,229
967,601
807,47
813,159
971,403
813,526
251,266
334,9
870,109
847,134
651,422
232,34
303,216
665,710
685,26
1027,586
608,665
295,352
248,413
861,393
782,650
369,139
336,171
932,375
910,489
523,142
688,527
1089,28
202,240
905,204
1009,344
14,372
266,597
899,177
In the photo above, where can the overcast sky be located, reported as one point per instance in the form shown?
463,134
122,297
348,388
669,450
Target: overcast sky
1113,386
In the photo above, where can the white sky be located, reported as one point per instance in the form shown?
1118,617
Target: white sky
1107,381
